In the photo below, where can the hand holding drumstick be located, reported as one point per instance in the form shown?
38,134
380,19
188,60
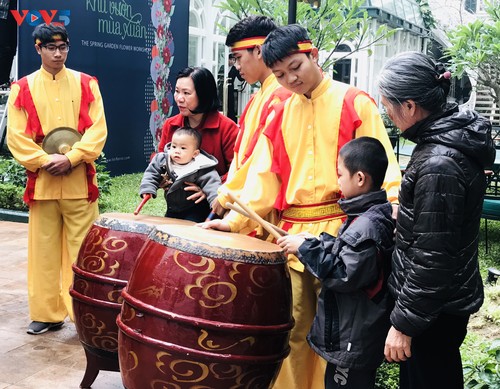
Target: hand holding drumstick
242,208
289,243
254,216
238,209
144,201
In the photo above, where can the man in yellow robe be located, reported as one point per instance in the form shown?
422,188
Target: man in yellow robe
294,170
61,190
245,40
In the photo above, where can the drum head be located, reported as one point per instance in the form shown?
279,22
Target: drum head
136,223
218,244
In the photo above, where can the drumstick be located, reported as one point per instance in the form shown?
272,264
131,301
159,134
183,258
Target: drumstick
144,201
236,208
253,215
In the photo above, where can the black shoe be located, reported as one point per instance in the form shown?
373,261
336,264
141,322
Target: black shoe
38,327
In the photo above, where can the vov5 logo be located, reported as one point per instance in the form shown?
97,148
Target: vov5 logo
36,17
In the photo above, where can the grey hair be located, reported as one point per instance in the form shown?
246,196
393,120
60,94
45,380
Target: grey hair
414,76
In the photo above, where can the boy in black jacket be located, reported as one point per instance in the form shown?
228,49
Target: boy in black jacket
352,317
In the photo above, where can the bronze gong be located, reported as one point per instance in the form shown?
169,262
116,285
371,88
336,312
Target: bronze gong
60,140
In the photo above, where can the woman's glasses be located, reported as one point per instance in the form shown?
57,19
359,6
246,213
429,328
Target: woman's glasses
64,48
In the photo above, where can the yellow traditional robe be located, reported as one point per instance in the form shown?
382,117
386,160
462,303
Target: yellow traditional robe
294,170
61,213
57,101
310,130
253,123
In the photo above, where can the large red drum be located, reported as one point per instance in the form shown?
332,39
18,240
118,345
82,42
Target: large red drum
205,309
103,268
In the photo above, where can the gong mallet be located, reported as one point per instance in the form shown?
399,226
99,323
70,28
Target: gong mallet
144,201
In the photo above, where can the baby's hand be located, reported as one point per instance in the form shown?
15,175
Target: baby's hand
291,243
166,182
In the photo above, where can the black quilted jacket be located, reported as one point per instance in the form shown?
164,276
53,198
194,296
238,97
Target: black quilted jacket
435,265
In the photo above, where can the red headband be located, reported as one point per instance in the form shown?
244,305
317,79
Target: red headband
248,43
303,47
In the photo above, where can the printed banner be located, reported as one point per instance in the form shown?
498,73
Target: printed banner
135,48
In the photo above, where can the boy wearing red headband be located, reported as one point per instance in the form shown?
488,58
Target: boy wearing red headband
295,171
61,190
245,40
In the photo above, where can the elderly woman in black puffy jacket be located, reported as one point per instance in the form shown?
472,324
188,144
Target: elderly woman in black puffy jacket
435,278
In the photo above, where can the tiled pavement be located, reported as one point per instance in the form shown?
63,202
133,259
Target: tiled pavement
54,360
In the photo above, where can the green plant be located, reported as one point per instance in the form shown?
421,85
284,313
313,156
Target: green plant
485,372
13,181
12,172
11,197
333,23
387,376
103,175
425,10
475,49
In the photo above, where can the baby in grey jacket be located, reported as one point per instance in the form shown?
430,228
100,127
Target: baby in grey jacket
183,164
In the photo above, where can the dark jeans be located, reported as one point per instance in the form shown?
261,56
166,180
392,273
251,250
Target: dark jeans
343,378
435,362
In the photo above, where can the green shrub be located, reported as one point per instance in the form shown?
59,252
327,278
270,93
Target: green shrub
12,172
484,373
13,181
11,197
103,176
387,376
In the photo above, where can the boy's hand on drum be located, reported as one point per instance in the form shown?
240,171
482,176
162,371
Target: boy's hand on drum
218,224
291,243
198,196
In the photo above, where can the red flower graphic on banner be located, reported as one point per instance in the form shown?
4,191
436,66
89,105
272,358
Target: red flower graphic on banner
165,105
160,32
167,4
159,83
163,54
166,55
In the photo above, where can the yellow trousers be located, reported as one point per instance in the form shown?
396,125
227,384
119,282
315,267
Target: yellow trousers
55,233
303,368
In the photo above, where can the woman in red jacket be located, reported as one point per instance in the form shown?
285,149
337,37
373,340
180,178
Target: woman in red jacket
196,98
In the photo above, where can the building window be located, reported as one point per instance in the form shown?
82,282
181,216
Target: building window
471,6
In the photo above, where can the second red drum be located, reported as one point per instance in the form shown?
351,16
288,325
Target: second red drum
102,270
205,309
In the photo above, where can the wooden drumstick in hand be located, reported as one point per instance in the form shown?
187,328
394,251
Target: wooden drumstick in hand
253,215
144,201
237,208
